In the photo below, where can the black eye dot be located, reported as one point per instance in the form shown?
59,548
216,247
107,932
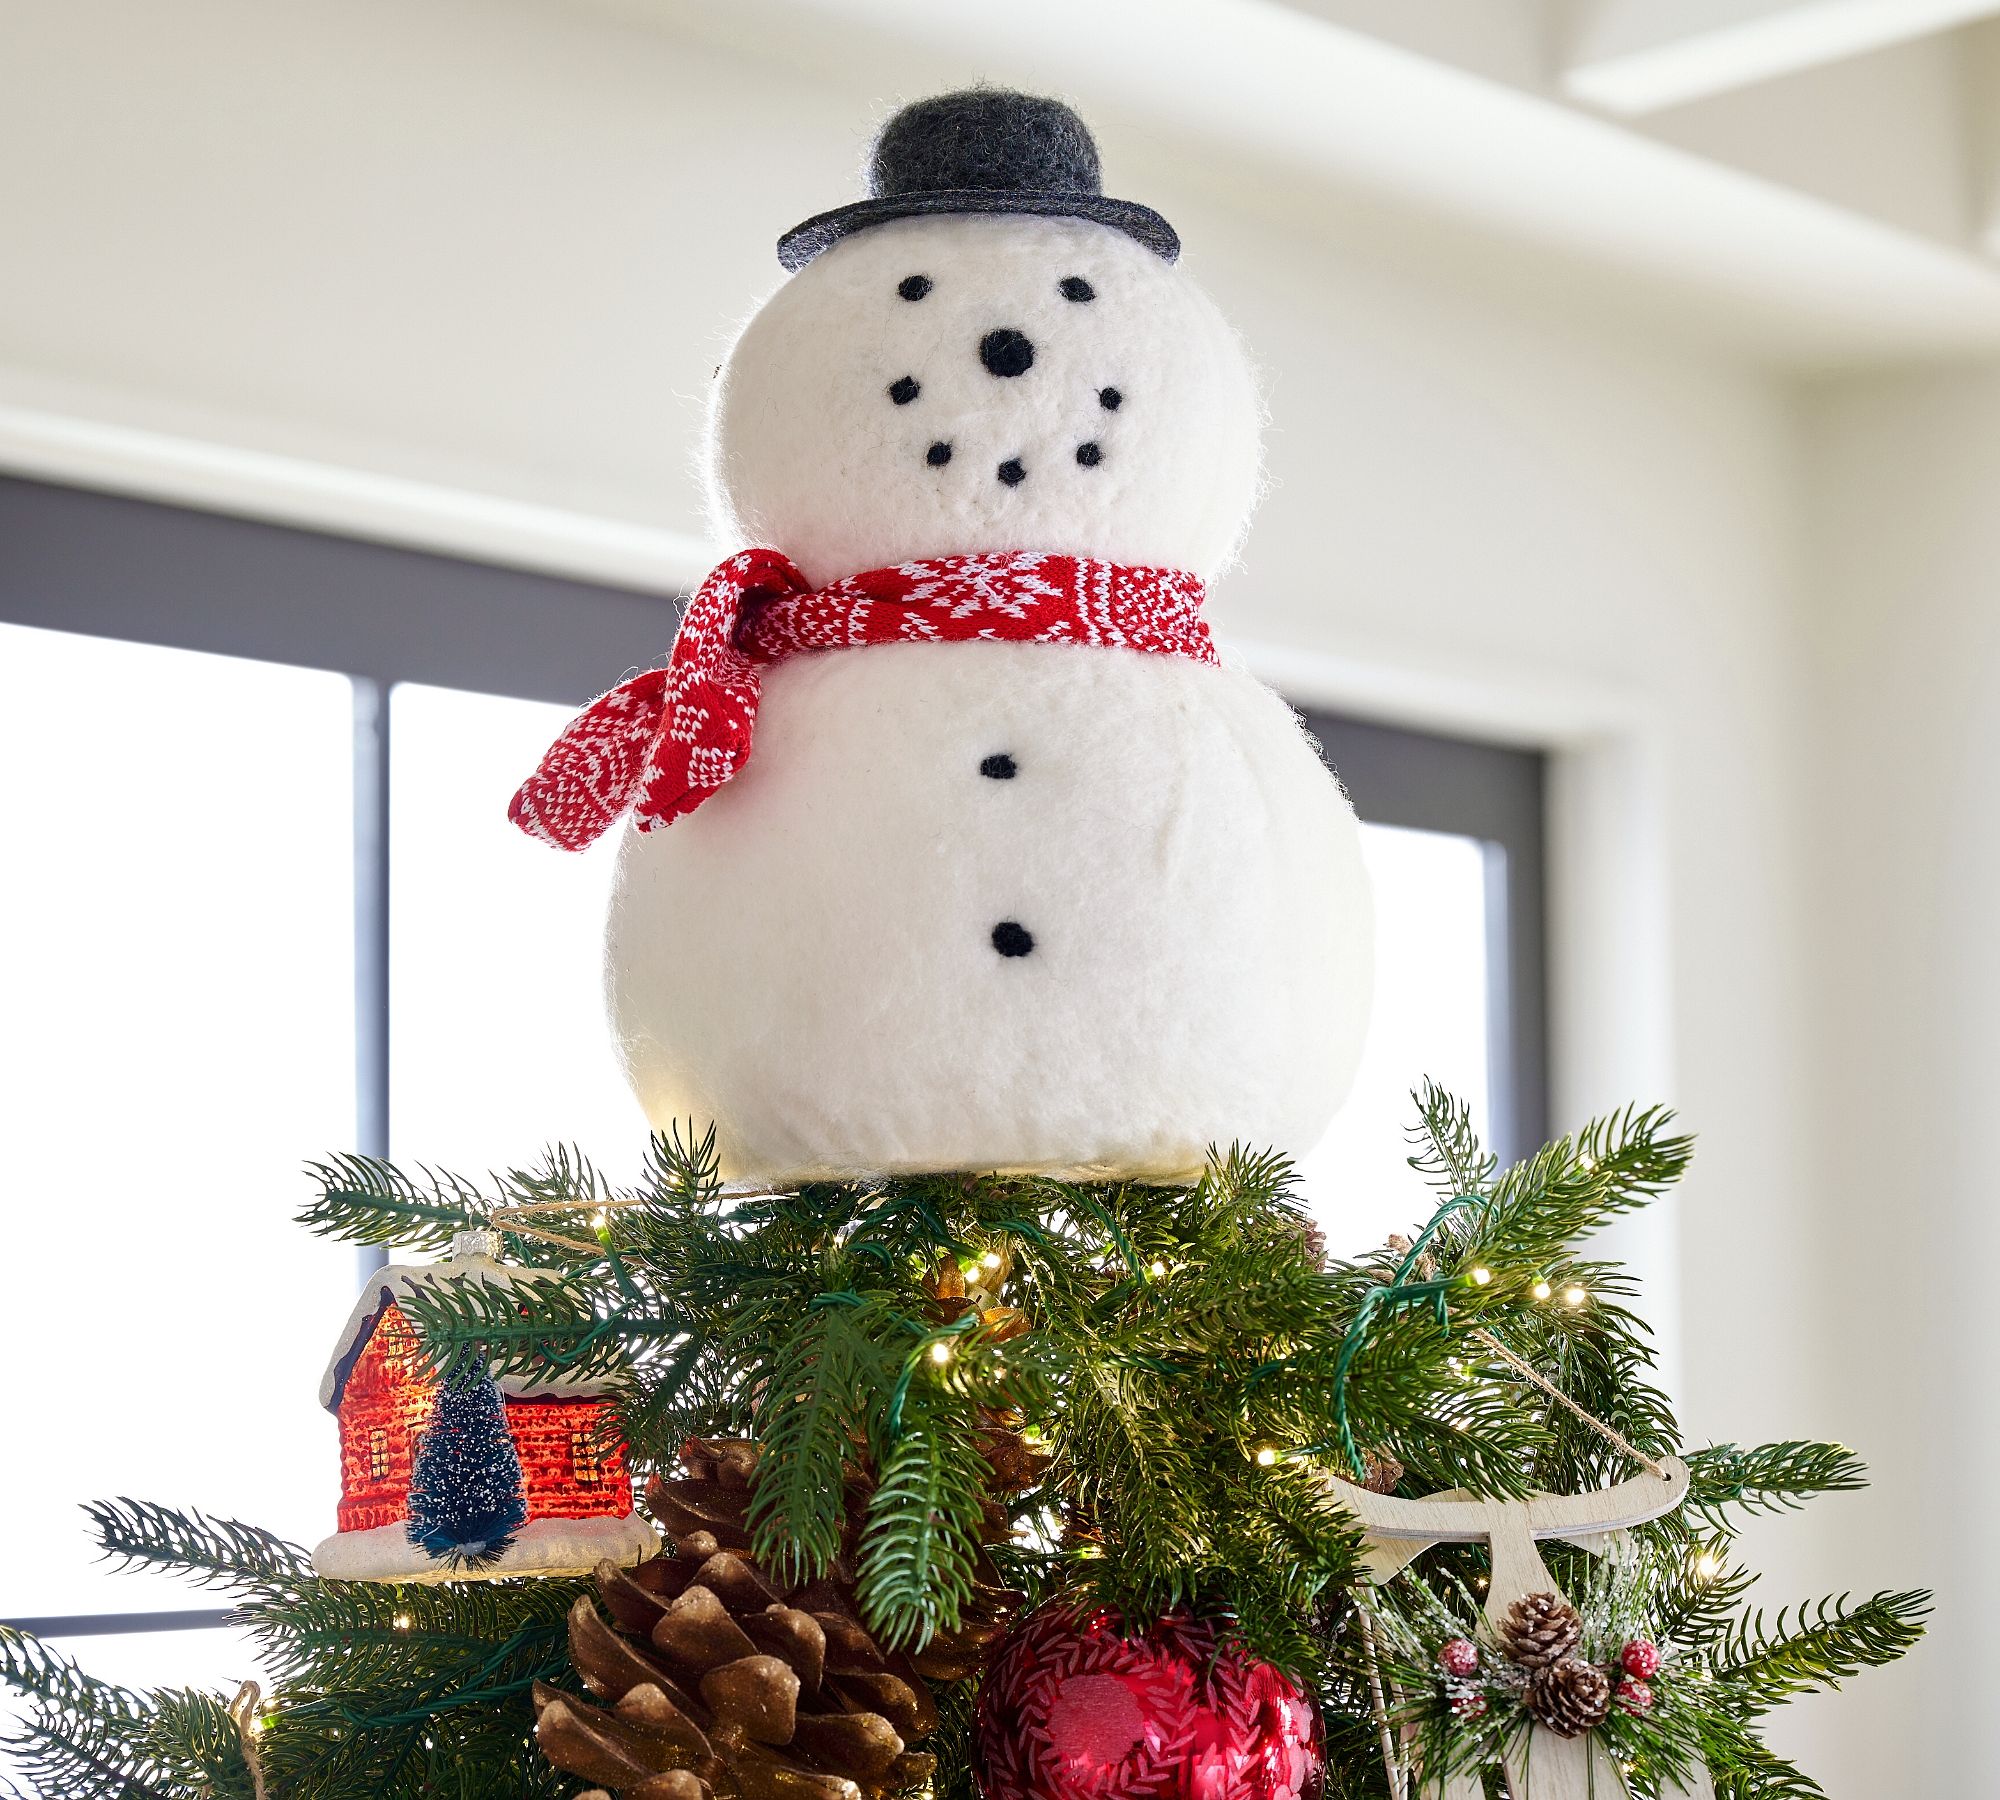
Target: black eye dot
904,390
1011,472
1090,455
938,455
914,287
1012,939
999,767
1110,399
1074,287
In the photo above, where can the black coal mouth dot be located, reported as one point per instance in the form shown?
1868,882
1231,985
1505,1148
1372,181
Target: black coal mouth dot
1011,472
1011,938
1090,455
1110,399
905,389
938,455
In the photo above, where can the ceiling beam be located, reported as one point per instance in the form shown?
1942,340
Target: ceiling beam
1641,56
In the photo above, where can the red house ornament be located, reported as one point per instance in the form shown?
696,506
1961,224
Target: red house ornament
575,1481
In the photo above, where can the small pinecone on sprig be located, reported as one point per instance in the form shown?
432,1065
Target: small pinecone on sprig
1540,1630
725,1684
1570,1697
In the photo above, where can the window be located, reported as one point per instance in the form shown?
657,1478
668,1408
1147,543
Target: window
584,1462
269,905
1452,835
378,1454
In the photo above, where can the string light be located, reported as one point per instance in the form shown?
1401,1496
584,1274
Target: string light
1574,1296
991,1260
1157,1269
1267,1456
1707,1566
600,1220
1542,1290
402,1621
940,1353
1481,1277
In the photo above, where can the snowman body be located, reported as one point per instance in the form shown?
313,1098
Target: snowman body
987,905
1005,906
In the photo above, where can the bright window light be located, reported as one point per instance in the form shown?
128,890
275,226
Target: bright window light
499,1043
1429,1018
176,956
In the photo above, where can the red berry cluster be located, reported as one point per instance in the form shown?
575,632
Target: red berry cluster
1640,1659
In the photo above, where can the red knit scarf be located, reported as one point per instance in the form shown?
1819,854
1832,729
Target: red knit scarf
664,741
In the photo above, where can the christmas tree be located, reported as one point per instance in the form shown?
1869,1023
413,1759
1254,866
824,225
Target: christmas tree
971,1395
466,1500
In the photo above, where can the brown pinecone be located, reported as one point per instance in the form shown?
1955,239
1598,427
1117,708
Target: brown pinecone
1540,1629
726,1685
712,1497
1569,1697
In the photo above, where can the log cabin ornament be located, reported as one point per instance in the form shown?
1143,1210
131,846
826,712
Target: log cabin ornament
1539,1763
575,1490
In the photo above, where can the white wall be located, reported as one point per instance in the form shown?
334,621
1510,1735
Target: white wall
1904,604
498,247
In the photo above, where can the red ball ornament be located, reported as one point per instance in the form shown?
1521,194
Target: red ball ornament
1468,1706
1634,1695
1459,1657
1074,1709
1640,1659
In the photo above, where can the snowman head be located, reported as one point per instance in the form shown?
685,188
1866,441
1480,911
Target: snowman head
987,354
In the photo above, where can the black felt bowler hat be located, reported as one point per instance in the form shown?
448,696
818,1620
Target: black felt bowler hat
982,150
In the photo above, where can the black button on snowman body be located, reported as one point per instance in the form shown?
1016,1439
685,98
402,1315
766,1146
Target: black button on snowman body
994,905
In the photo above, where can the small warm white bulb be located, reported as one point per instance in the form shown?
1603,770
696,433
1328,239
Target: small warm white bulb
1574,1296
940,1352
402,1621
1541,1290
991,1260
1707,1566
1266,1456
1481,1277
1157,1269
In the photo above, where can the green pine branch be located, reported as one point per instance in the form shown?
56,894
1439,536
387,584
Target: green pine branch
210,1552
1768,1477
1817,1647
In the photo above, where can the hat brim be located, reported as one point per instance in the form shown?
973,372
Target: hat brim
821,232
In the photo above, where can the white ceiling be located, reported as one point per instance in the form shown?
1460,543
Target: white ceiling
288,258
1817,180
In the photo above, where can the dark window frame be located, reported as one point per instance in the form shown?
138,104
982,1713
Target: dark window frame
106,565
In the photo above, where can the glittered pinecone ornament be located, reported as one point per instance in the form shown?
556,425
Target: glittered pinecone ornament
1540,1629
1075,1708
1569,1697
724,1683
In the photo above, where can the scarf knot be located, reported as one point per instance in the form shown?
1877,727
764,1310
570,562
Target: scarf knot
661,743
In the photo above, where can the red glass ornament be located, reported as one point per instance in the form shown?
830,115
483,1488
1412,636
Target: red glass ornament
1634,1695
1641,1659
1460,1657
1468,1706
1074,1709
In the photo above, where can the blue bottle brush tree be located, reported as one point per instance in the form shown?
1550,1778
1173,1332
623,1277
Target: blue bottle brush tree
467,1497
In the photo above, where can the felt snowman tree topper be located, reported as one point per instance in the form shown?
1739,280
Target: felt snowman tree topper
952,845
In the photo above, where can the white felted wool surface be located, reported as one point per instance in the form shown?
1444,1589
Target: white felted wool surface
808,958
812,455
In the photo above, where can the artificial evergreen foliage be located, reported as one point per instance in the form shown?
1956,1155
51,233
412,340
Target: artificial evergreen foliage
376,1692
1179,1379
467,1498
